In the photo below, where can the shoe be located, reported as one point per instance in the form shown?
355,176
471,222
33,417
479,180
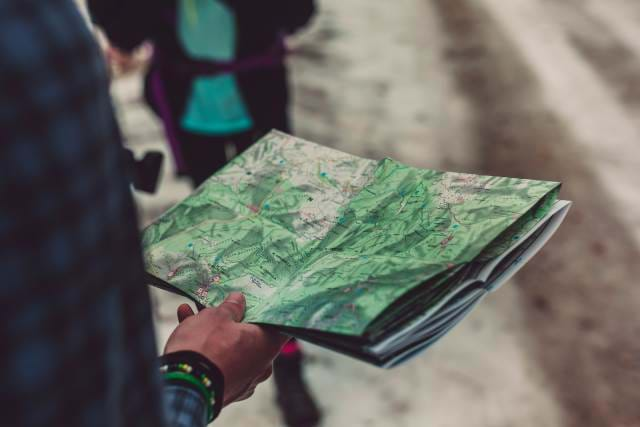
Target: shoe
292,395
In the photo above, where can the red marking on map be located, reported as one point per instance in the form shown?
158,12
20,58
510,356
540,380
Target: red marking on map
446,241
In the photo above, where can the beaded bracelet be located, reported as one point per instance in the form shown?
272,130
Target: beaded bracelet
192,368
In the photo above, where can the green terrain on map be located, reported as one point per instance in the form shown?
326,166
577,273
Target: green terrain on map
323,240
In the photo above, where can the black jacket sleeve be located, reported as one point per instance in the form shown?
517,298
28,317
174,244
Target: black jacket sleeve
126,23
285,15
295,14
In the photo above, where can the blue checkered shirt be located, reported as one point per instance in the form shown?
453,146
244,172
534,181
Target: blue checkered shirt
77,338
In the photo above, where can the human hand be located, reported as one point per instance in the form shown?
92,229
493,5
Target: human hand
243,352
119,61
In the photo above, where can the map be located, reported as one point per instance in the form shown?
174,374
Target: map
323,240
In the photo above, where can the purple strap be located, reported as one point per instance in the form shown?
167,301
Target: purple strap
271,58
164,110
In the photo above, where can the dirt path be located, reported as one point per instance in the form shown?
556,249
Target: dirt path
579,295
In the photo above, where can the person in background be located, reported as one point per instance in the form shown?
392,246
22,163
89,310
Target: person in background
217,77
78,345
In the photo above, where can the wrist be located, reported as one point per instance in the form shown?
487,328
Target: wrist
193,370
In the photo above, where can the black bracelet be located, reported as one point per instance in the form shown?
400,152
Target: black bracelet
183,366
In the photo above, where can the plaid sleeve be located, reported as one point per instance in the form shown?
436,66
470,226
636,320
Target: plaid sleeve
78,347
184,407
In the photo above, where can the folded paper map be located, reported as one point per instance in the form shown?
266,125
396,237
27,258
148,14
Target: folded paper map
374,259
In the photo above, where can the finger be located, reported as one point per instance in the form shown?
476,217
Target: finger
280,339
184,311
234,306
237,394
272,339
265,375
246,395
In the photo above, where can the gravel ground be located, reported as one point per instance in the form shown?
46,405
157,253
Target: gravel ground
545,89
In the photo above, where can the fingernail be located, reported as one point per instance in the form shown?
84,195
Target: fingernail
235,297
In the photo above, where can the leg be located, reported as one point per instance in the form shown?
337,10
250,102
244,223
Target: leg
203,155
266,93
297,406
245,140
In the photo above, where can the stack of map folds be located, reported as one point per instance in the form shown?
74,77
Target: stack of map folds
373,259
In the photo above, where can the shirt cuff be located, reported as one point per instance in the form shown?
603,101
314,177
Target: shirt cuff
184,406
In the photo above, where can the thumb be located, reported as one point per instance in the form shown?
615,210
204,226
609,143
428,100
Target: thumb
234,306
184,311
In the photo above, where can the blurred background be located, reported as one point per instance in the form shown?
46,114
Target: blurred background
545,89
